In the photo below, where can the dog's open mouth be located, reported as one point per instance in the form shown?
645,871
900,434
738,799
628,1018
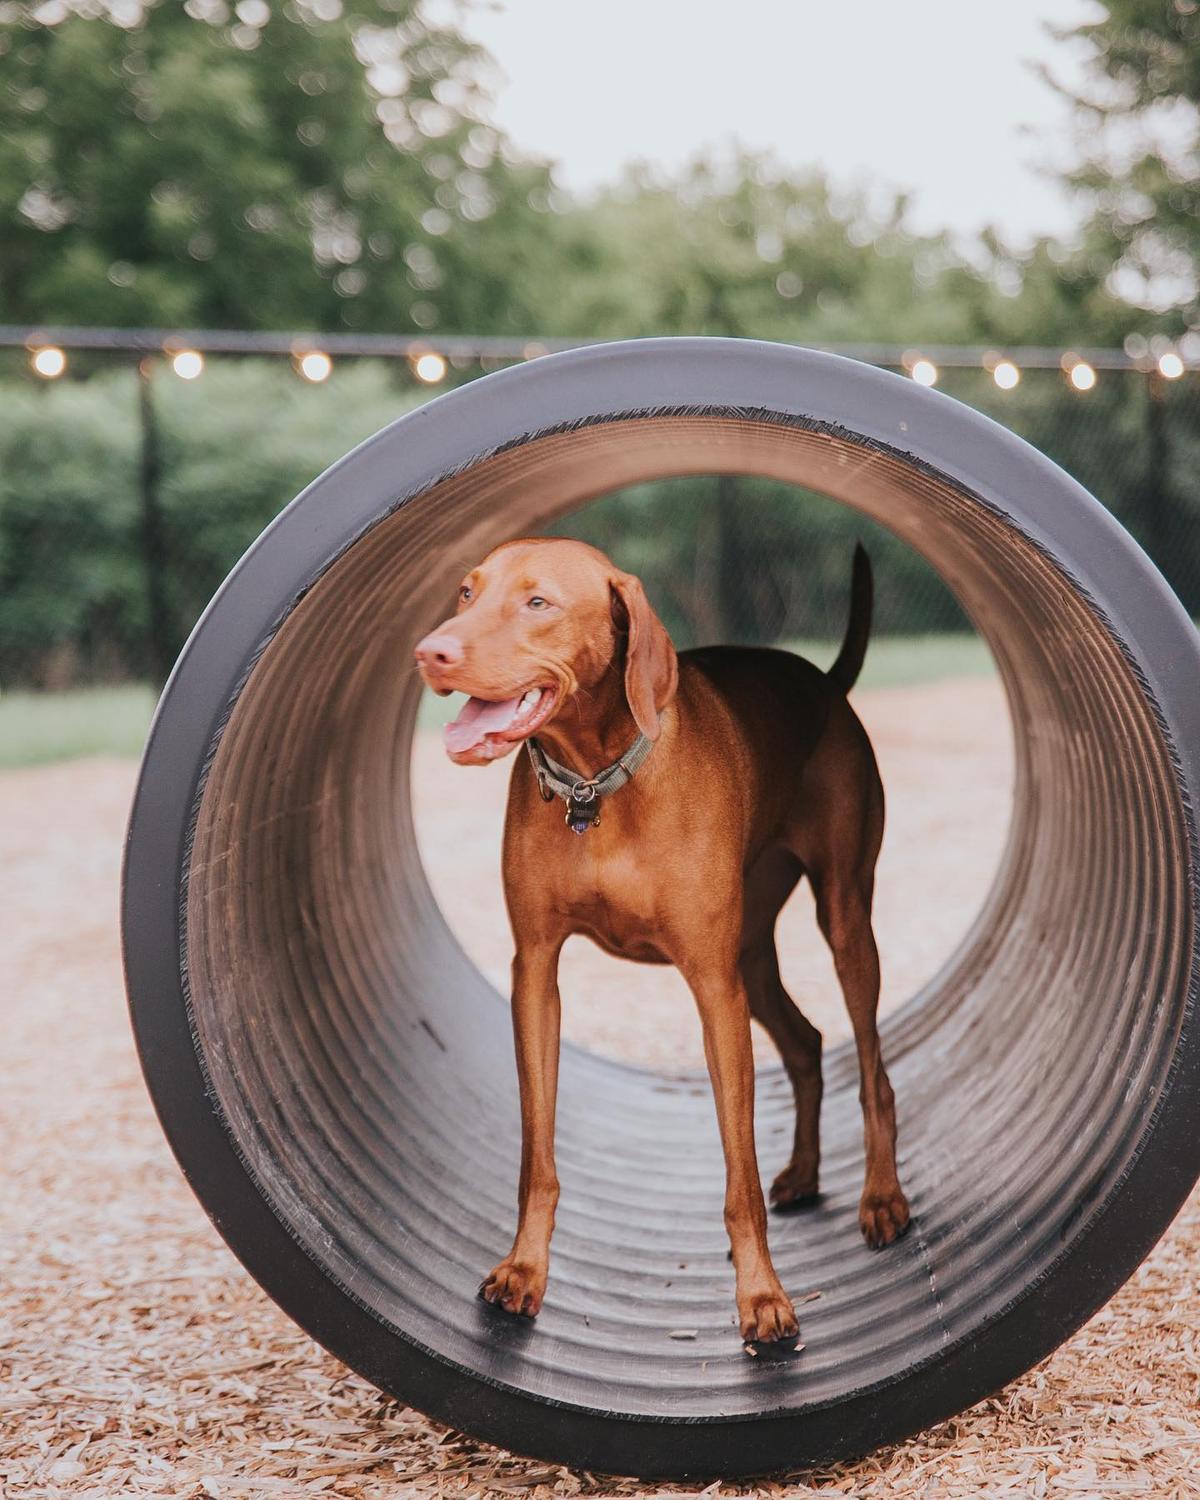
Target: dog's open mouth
487,729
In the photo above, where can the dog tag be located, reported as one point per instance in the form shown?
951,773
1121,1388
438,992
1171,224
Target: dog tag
582,815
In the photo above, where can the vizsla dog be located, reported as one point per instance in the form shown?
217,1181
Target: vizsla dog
698,788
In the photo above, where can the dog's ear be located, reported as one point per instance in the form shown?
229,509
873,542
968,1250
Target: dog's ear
651,667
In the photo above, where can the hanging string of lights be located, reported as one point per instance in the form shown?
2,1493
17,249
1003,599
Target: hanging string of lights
1080,372
313,355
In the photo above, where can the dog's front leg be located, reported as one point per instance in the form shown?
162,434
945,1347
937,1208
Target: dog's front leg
518,1283
765,1310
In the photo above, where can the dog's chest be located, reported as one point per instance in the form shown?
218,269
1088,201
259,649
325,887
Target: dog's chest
611,895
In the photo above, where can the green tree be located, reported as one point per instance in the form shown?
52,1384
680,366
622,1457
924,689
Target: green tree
741,247
1139,173
236,446
275,165
738,246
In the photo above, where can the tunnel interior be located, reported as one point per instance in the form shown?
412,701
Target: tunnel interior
363,1067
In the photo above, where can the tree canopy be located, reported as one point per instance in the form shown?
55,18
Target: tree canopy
266,166
329,164
1139,166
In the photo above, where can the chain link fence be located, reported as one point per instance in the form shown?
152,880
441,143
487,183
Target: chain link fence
125,499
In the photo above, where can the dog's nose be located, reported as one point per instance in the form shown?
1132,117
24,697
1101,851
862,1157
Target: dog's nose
439,650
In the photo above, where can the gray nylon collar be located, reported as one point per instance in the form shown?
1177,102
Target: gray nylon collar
559,781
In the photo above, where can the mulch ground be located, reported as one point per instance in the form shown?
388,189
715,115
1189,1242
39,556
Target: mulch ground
137,1358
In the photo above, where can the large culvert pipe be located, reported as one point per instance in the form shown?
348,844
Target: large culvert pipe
336,1078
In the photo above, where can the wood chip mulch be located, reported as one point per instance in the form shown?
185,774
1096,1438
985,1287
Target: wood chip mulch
137,1358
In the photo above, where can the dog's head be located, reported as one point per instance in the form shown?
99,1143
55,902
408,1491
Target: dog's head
539,624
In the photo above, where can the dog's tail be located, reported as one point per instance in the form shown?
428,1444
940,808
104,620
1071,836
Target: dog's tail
844,672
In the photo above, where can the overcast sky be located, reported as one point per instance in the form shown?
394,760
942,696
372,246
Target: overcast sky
934,96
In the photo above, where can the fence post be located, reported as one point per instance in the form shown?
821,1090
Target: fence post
160,637
1160,502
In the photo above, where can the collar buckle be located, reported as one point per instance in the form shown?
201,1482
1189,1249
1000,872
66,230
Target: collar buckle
583,794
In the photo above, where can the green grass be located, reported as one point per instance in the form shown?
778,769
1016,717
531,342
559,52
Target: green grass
36,728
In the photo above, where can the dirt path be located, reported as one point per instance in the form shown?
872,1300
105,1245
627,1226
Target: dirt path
137,1358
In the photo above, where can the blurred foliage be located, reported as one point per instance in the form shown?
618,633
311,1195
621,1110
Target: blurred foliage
1139,150
749,560
753,560
235,448
317,165
68,498
325,165
736,245
295,165
725,559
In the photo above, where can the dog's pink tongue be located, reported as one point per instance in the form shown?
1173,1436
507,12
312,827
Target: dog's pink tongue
478,719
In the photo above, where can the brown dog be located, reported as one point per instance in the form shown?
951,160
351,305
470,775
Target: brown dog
760,772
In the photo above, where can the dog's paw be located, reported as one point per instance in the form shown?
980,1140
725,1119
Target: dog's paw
516,1286
883,1216
795,1186
764,1317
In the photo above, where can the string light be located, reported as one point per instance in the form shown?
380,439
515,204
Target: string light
429,368
1082,376
1006,375
315,366
49,361
188,364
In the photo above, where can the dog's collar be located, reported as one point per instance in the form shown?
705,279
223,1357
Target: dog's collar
583,794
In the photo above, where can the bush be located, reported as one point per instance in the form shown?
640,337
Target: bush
235,446
70,597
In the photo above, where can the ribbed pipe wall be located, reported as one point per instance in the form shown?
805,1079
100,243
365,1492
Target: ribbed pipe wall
361,1067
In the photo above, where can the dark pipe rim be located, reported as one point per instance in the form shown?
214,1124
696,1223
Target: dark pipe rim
448,435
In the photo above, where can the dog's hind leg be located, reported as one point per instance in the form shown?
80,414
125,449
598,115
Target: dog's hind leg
768,885
844,914
799,1044
836,833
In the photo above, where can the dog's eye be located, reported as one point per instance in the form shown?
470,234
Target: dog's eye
537,602
466,593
